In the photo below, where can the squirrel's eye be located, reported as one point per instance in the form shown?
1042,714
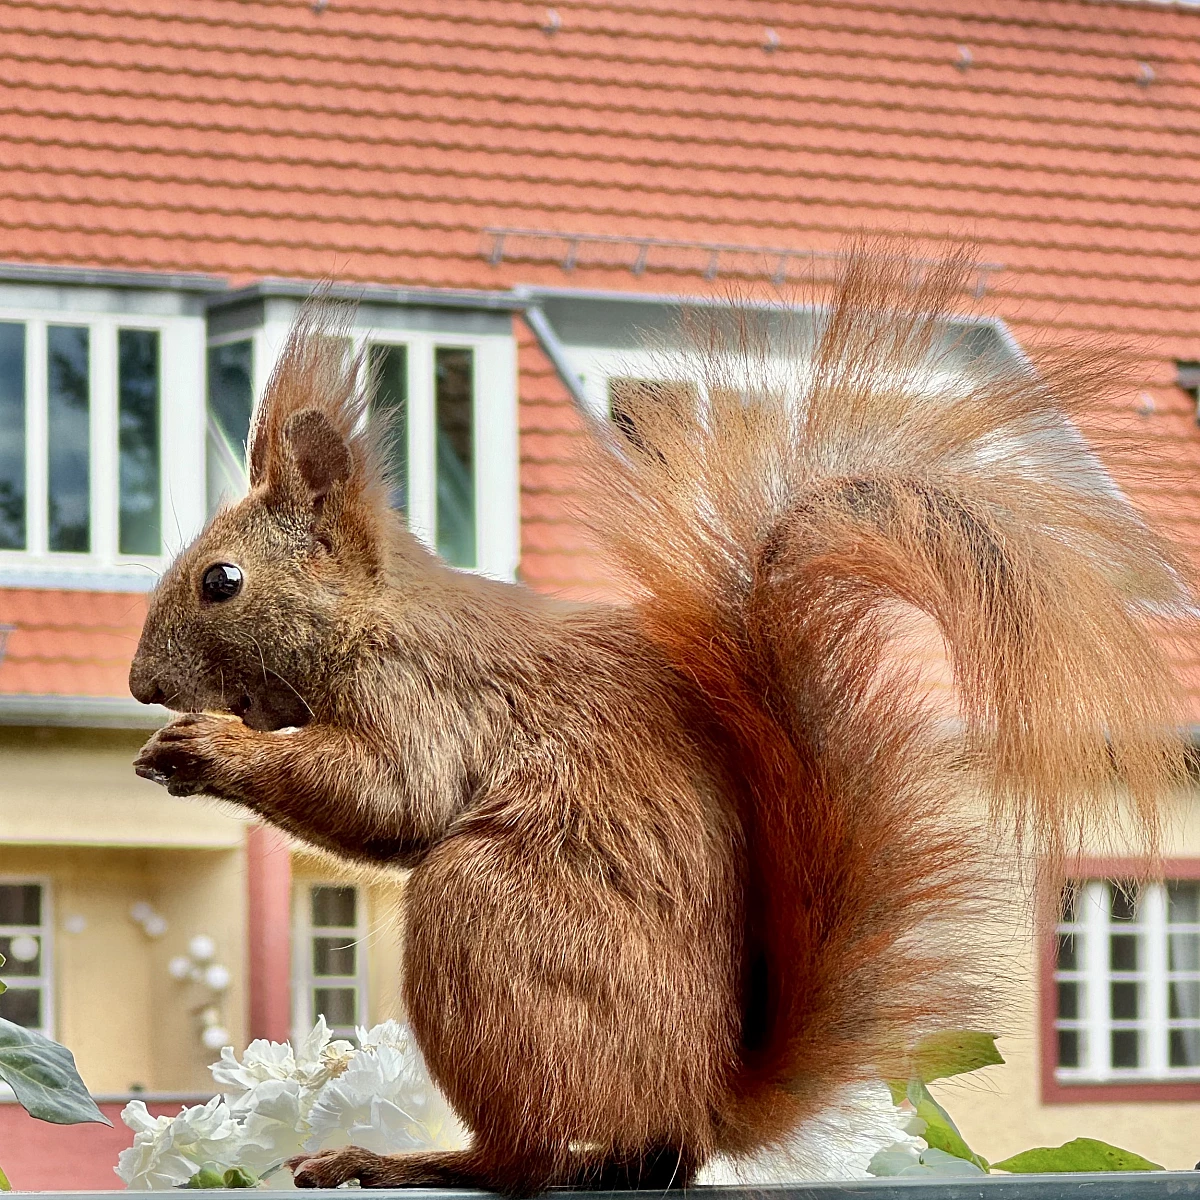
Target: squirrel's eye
222,581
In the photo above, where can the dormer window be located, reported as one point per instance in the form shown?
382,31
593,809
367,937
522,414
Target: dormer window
444,379
99,404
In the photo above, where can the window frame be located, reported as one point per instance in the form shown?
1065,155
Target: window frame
1121,1085
181,414
304,980
46,980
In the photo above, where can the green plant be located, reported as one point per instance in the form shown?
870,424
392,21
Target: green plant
944,1055
43,1078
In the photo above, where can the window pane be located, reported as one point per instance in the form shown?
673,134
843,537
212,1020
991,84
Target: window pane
1123,952
1125,1001
388,366
1184,999
1185,1047
1068,1000
1183,903
69,452
231,392
1183,951
1126,1048
1068,1047
1068,904
20,904
339,1006
12,436
1068,957
333,906
334,956
454,400
22,1006
1124,900
22,953
138,421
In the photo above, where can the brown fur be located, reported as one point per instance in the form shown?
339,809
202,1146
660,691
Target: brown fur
683,867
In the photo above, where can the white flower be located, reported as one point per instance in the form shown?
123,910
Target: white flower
168,1151
383,1101
843,1141
279,1099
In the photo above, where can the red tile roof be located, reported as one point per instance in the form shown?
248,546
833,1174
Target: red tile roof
382,142
69,643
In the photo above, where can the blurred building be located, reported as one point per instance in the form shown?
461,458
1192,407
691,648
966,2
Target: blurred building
518,196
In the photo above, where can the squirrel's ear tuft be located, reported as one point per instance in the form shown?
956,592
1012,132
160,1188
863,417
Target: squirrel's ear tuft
318,451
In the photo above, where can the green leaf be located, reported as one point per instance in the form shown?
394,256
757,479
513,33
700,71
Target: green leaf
940,1131
239,1177
954,1052
1082,1154
43,1076
5,1186
207,1177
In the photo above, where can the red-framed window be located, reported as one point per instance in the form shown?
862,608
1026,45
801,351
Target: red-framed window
1120,985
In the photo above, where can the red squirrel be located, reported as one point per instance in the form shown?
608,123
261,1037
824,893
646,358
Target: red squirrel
681,867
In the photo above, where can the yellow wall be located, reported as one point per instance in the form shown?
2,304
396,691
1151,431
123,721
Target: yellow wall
126,1021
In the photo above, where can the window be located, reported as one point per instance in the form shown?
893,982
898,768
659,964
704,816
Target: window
98,457
1127,983
426,393
443,381
230,404
25,944
330,958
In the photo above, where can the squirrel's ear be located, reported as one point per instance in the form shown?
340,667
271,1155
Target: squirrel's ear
318,451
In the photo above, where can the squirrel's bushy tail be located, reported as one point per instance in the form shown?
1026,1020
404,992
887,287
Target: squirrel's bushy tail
774,522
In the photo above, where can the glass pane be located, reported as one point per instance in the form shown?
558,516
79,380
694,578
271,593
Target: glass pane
231,392
1183,951
388,366
22,953
333,956
454,399
1068,1000
1123,902
1068,905
339,1006
1123,952
1183,903
333,906
1068,957
1185,1048
22,1006
1125,1001
1126,1046
1068,1047
20,903
69,452
1184,999
12,436
138,420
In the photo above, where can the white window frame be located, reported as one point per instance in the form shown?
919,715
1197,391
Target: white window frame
1093,977
45,931
181,430
304,979
495,428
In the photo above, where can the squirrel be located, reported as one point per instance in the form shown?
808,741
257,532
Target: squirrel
682,866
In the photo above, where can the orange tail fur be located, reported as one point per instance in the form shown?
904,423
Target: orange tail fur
771,532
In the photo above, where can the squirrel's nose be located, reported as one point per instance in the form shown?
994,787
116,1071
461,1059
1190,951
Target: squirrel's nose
144,686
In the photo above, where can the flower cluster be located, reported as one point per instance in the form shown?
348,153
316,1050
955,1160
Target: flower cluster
279,1100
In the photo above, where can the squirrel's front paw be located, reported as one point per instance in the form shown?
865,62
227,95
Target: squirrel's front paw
187,755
